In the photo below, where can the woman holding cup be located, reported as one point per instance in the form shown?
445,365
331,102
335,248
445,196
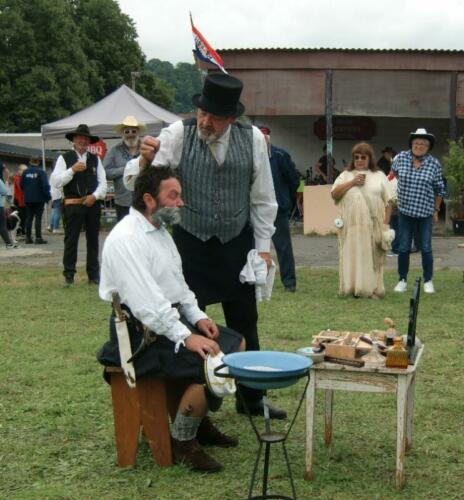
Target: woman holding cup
363,195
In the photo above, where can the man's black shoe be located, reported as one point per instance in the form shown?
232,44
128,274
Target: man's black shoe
291,289
69,280
40,241
29,241
257,408
94,281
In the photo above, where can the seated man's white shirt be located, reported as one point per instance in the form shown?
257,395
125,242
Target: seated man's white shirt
142,264
263,204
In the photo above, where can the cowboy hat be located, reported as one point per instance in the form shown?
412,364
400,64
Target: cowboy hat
129,122
82,129
220,96
217,385
421,133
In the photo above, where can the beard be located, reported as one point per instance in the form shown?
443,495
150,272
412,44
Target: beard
166,215
207,136
130,142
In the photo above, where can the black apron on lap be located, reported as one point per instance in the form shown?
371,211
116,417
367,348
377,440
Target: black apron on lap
160,358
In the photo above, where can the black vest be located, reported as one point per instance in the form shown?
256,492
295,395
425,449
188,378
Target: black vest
83,183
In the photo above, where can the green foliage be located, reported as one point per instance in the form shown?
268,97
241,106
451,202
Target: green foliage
58,56
56,423
453,168
185,78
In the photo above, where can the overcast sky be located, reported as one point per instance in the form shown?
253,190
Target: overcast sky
164,26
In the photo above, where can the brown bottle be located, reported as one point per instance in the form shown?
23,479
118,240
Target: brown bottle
397,356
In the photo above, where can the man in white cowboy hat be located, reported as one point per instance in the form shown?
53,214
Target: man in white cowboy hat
420,192
230,204
81,177
116,159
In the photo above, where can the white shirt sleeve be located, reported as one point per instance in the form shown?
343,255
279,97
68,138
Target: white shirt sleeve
171,142
127,264
61,175
100,192
263,204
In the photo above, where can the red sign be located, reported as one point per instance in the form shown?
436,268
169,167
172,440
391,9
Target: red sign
358,128
98,148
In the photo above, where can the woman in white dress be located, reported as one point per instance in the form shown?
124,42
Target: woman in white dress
363,195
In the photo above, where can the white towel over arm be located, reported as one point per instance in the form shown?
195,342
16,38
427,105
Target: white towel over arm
255,272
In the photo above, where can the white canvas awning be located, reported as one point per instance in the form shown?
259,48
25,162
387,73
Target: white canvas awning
104,115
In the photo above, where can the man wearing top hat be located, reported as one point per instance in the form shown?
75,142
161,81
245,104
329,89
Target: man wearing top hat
81,176
230,204
116,159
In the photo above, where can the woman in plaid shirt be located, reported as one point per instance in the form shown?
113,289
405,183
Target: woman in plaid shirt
420,192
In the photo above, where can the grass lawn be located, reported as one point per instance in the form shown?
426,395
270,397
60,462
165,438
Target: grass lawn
56,428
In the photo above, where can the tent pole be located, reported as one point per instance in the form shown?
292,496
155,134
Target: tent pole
44,166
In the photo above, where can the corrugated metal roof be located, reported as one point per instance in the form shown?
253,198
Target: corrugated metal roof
327,49
22,152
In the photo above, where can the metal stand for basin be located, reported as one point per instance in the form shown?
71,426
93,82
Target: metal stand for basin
267,438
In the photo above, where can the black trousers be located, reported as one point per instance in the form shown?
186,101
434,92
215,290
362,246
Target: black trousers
121,211
211,270
75,216
282,240
34,210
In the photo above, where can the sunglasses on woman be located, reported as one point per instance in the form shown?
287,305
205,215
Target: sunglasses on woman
360,157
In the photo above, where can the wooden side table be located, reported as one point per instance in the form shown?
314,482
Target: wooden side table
334,377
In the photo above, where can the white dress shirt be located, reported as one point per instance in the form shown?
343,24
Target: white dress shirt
142,264
263,204
62,175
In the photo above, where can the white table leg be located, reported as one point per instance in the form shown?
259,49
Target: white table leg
401,404
328,417
410,411
310,409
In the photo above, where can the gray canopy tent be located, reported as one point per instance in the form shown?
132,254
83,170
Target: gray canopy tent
104,115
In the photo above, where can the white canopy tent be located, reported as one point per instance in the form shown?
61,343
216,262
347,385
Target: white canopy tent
104,115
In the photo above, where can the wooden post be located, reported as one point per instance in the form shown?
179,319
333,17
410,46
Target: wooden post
328,124
452,106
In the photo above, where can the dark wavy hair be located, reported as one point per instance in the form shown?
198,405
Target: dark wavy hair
362,148
149,181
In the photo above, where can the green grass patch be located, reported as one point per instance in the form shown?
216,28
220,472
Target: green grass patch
56,423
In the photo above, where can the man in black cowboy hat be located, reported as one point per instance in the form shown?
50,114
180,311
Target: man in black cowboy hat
386,160
230,204
81,176
420,192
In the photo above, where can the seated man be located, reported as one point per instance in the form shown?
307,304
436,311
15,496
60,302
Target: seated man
141,263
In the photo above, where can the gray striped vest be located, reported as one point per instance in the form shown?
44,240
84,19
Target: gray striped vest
217,198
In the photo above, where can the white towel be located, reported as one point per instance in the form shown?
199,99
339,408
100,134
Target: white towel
255,272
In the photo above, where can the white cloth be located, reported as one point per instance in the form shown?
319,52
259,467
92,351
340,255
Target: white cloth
255,272
263,204
62,175
56,193
142,264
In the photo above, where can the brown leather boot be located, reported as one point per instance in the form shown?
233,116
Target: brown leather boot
191,454
208,434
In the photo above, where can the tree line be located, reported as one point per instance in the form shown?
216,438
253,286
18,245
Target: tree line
59,56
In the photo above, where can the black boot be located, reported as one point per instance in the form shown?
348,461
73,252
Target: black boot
208,434
191,454
257,408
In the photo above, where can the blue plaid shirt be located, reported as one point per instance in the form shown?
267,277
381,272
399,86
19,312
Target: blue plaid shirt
418,187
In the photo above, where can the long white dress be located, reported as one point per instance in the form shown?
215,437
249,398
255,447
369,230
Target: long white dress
361,258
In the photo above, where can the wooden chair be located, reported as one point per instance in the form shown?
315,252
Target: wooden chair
144,407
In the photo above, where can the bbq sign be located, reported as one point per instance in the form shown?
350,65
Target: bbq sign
98,148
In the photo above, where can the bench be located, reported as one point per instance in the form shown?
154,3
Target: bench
142,408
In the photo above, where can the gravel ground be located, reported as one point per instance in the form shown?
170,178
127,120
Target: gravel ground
310,251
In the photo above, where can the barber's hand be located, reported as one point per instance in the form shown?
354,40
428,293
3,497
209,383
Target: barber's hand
79,166
148,149
267,258
435,217
201,345
89,201
208,327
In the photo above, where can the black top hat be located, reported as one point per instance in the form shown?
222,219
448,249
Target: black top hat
220,95
82,129
388,149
